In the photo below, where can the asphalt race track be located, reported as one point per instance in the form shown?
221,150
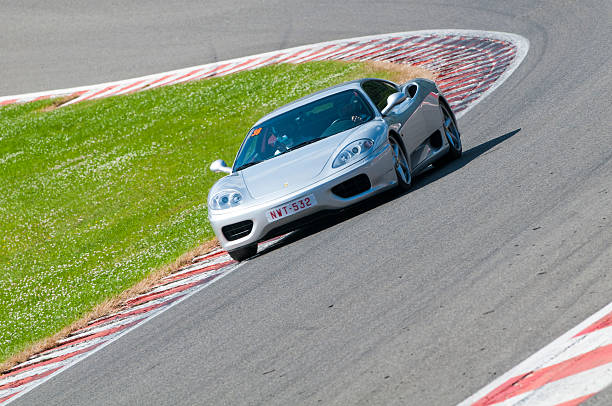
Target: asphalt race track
414,299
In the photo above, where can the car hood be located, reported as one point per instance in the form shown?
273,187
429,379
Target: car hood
291,171
294,170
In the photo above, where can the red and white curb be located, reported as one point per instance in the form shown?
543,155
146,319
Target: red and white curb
170,291
469,64
566,372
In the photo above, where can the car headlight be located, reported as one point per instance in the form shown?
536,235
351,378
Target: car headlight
225,199
352,152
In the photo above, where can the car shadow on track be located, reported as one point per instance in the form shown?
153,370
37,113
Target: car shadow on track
423,179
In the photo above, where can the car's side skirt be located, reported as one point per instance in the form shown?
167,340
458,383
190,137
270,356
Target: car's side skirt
429,151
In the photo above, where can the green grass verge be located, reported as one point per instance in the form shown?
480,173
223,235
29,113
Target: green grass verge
95,196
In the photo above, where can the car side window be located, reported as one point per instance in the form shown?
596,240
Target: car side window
378,91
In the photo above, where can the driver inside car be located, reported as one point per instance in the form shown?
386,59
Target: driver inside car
273,143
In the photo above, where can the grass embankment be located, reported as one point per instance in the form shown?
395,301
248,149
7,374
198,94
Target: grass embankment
96,196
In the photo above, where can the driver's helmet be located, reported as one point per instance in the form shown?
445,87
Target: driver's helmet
271,137
273,143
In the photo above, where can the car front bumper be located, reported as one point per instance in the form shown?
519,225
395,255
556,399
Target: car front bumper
378,167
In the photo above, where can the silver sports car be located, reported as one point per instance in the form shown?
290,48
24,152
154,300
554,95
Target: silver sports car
327,151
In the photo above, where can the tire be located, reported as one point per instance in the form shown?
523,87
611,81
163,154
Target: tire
400,163
453,137
243,253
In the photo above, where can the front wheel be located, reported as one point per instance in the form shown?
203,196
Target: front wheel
242,253
451,132
400,163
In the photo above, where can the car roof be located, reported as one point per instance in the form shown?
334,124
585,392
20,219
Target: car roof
353,84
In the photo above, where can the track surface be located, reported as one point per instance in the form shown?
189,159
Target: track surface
416,299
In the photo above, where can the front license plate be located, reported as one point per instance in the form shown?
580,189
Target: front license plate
290,208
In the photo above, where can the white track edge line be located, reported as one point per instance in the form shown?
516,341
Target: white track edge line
522,47
523,365
161,310
563,390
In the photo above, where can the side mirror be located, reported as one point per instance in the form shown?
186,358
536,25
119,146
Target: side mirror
392,101
220,166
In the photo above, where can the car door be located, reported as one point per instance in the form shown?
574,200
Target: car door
405,118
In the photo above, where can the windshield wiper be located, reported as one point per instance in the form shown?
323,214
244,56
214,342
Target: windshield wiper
247,165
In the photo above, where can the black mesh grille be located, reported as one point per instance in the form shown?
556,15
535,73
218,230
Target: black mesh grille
353,186
237,230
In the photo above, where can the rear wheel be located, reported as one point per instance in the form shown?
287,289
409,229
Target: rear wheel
451,132
402,170
242,253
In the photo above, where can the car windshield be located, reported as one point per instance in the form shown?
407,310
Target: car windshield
303,125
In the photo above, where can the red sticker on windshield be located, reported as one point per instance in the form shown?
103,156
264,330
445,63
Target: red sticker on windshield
256,132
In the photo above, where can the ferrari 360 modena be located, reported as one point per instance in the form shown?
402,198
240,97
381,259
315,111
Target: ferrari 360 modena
327,151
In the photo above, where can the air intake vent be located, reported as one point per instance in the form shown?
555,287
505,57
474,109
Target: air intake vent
237,230
352,187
